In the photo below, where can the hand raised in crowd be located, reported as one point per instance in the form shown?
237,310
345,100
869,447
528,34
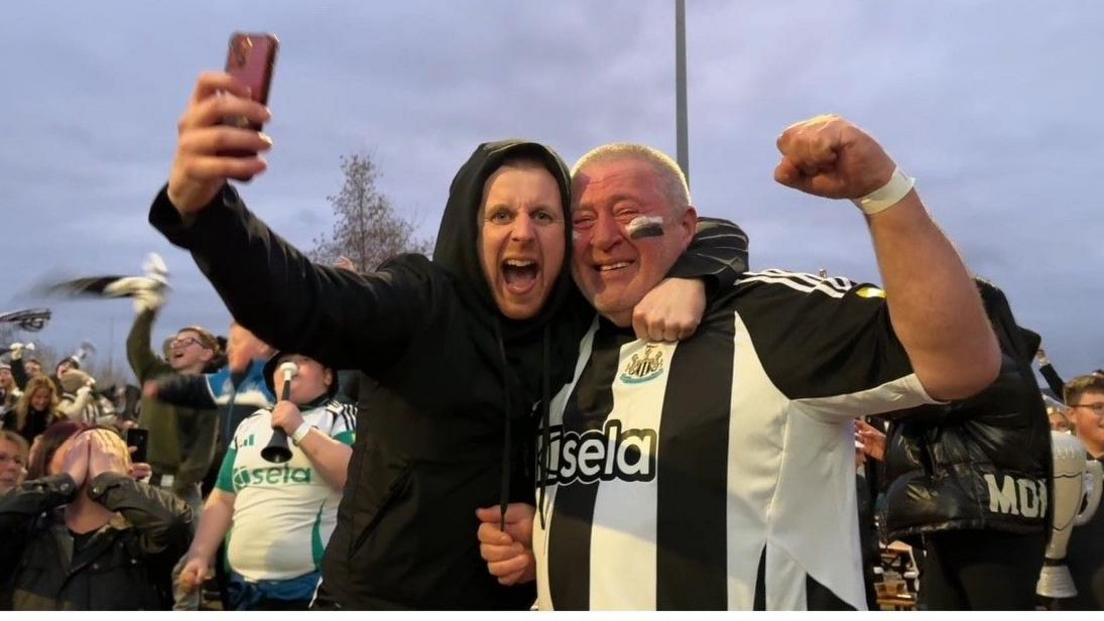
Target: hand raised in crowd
345,263
873,441
831,157
75,462
198,169
509,554
671,311
17,350
286,416
139,471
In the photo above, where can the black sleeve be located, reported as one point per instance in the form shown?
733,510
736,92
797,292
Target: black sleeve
1053,380
345,320
188,391
163,521
19,372
348,384
718,254
18,510
828,343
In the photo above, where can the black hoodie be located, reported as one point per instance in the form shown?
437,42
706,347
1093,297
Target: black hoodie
456,387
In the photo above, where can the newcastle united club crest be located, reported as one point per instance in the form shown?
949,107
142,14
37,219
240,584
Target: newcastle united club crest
645,366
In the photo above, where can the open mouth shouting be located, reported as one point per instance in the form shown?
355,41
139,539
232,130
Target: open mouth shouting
520,275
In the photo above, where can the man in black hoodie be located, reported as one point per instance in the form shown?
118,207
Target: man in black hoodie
463,348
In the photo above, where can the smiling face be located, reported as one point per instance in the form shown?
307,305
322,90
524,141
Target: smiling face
40,400
1087,415
614,270
521,237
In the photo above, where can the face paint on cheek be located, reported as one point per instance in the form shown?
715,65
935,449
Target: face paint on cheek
645,226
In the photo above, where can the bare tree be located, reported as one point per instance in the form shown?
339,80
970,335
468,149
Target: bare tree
367,231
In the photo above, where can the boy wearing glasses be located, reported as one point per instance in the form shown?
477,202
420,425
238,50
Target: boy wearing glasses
1085,397
181,440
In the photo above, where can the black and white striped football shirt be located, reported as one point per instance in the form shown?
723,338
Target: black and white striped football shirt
718,473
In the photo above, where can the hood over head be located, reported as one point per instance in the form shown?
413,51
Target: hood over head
527,350
457,248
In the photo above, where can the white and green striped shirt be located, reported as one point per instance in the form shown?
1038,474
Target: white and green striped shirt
283,513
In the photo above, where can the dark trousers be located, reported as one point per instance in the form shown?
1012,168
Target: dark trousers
980,570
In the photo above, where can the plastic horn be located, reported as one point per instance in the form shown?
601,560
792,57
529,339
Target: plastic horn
277,450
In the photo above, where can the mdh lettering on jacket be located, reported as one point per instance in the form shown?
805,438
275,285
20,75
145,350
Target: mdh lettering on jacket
600,455
273,475
1016,496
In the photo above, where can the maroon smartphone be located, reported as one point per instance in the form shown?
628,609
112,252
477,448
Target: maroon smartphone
250,59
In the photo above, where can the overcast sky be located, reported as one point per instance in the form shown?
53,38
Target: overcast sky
993,106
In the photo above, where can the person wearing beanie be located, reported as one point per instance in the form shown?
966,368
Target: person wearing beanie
282,514
79,400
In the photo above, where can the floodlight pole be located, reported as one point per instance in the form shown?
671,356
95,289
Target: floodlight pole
680,88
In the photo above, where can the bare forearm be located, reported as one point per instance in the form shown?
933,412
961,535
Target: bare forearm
933,302
218,514
329,456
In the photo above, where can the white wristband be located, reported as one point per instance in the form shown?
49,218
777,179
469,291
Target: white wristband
888,195
300,433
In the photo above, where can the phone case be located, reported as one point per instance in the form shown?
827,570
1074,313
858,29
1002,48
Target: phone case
251,58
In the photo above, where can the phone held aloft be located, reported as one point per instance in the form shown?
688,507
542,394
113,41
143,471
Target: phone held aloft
250,59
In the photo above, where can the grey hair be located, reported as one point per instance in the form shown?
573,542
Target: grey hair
671,179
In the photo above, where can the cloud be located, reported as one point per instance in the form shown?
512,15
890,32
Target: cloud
989,104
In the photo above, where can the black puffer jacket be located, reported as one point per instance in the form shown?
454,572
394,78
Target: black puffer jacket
126,565
981,463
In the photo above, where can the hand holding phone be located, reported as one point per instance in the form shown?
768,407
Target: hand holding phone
210,147
139,439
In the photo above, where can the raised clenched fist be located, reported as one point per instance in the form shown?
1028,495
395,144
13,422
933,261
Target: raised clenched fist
829,156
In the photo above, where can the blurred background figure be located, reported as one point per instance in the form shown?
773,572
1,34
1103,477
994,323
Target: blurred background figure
47,453
36,410
79,400
14,454
1058,415
9,392
1084,396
